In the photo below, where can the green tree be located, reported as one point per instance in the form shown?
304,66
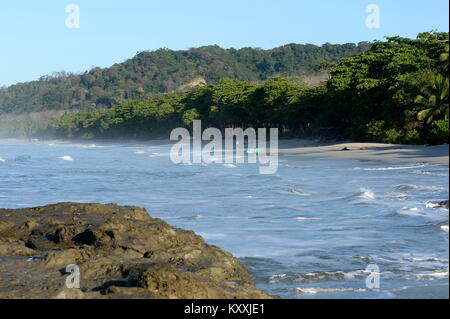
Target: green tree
434,99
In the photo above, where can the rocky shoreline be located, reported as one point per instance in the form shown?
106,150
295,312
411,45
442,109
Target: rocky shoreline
121,252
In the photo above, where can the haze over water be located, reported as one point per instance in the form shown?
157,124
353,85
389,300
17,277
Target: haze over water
308,231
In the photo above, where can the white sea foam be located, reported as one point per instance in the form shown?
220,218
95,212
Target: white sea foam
88,145
312,291
320,276
425,259
330,276
437,274
306,218
390,168
444,228
2,160
158,154
139,152
67,144
277,278
431,205
366,193
407,258
429,173
66,158
229,165
411,211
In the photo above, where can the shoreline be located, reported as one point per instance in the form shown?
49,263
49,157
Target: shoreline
369,151
393,153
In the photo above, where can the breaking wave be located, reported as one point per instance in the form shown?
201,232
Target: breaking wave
439,273
429,173
390,168
306,218
312,291
431,205
364,193
66,158
330,275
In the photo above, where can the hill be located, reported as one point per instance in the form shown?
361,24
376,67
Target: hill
150,73
396,92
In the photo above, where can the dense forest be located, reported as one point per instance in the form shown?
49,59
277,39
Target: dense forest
396,92
163,71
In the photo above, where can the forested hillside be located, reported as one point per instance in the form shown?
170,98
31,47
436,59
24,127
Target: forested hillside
393,91
396,92
164,71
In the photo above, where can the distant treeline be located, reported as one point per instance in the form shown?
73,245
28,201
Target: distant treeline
163,71
395,92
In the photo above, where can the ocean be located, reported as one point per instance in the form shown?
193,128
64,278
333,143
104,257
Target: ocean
315,229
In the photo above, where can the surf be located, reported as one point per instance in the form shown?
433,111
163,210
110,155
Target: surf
66,158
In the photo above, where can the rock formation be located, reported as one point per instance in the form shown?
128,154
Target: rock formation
121,252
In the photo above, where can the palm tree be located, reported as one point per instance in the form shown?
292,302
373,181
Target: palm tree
434,99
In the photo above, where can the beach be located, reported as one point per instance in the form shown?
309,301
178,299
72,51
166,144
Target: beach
368,151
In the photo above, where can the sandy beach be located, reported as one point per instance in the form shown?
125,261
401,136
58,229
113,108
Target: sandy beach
368,151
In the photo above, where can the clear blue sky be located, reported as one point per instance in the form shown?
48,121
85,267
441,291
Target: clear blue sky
35,40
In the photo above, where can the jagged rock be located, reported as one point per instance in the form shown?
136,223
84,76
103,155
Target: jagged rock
121,252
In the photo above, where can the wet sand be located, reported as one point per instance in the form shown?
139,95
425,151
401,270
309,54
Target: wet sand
368,151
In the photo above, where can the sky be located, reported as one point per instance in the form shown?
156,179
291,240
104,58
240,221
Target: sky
40,37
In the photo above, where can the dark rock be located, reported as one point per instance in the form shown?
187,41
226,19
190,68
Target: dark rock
444,204
121,252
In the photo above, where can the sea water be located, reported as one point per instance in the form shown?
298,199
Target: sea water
309,231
